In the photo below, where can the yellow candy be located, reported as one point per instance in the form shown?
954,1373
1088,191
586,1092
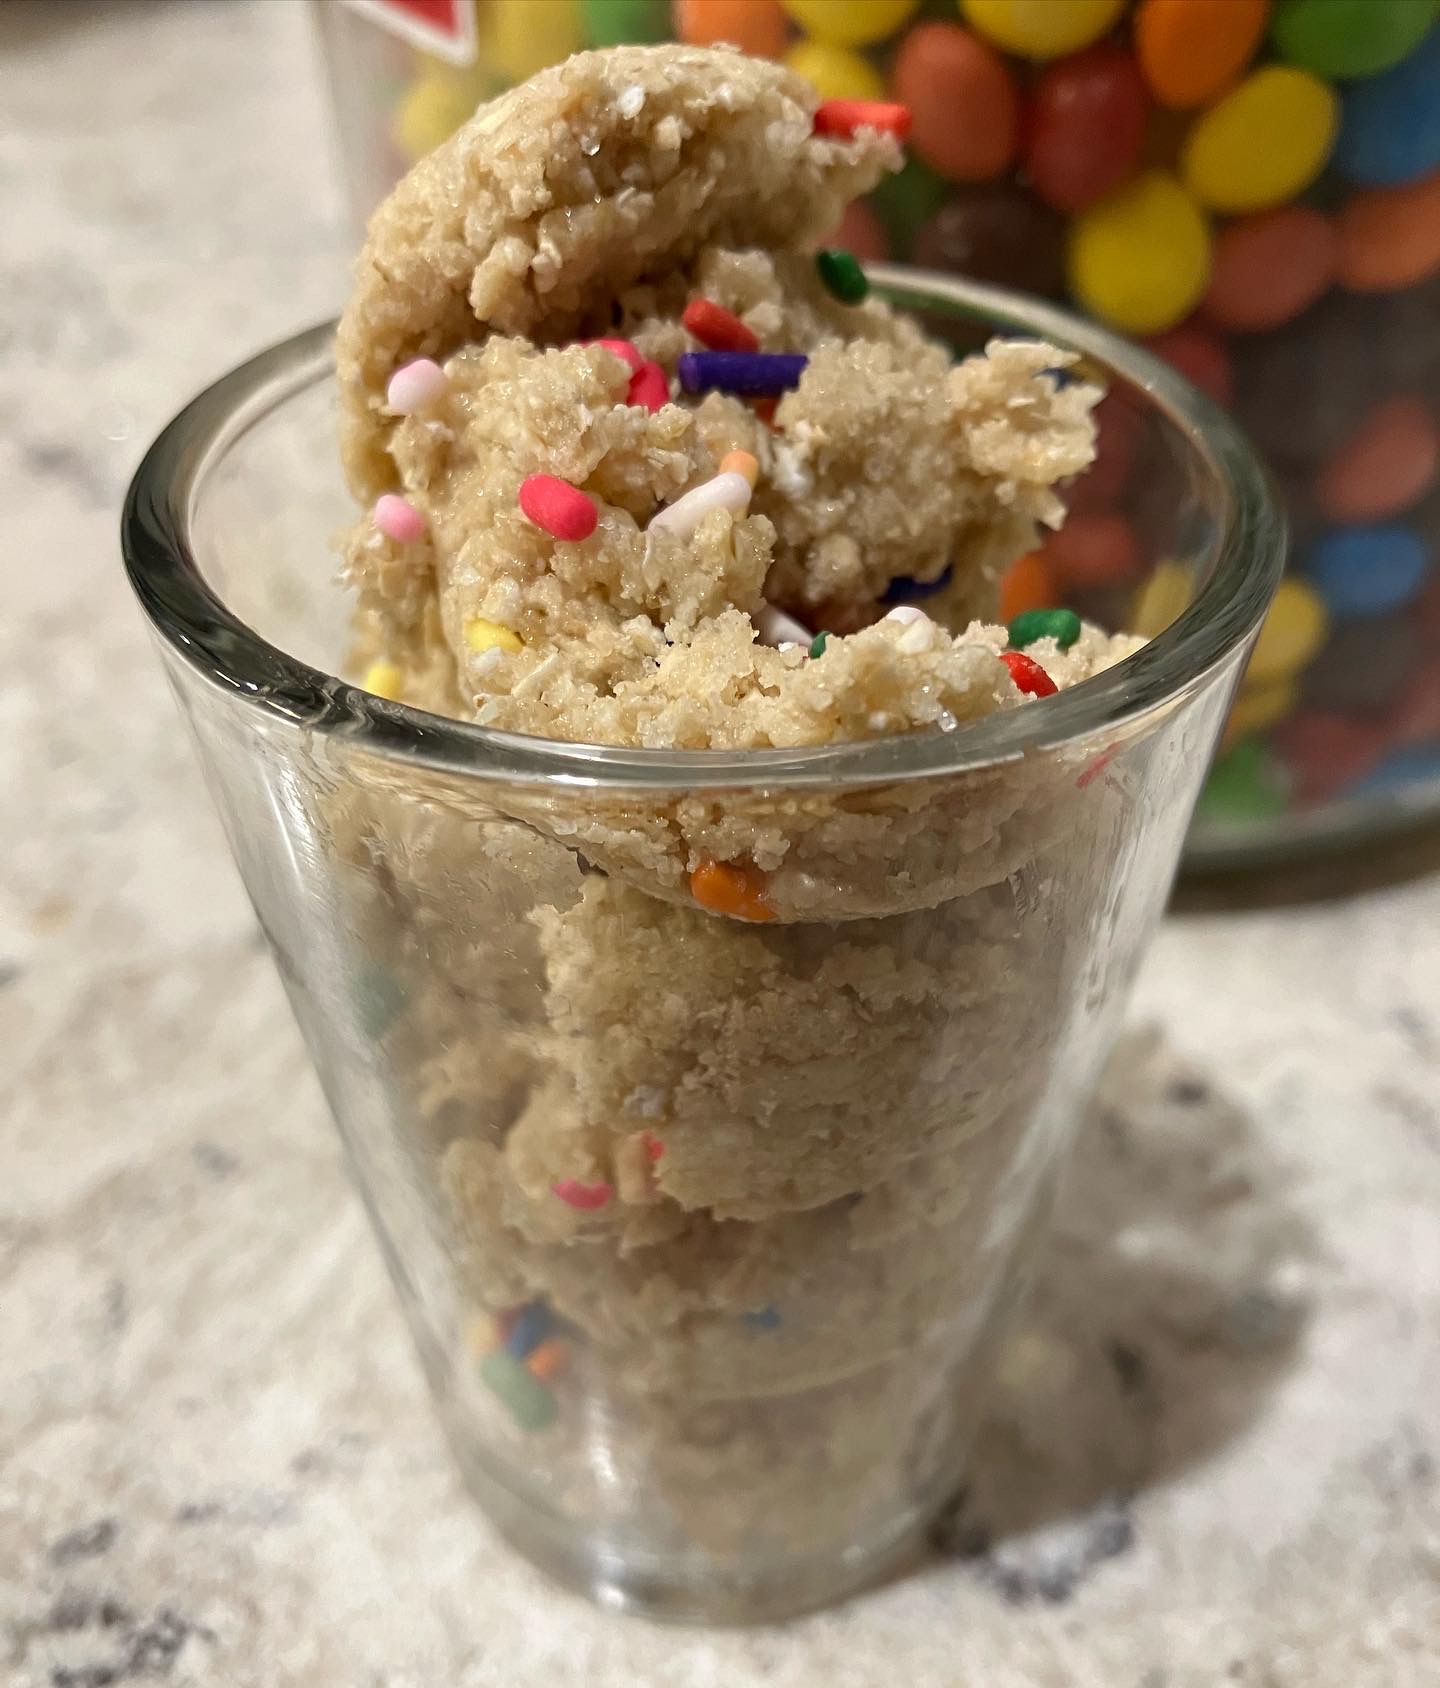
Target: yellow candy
1258,707
519,37
482,635
849,23
1263,143
384,679
1164,596
1041,29
434,106
835,72
1141,258
1293,631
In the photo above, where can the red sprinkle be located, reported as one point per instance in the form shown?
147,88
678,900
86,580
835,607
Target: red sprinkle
653,1146
623,349
650,386
586,1197
1098,766
844,117
765,409
718,329
1028,675
558,507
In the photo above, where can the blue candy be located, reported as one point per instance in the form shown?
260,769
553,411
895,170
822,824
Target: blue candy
532,1325
1367,570
1416,764
756,374
1390,124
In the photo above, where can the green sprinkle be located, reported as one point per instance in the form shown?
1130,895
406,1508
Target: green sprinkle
817,645
531,1404
1063,626
842,275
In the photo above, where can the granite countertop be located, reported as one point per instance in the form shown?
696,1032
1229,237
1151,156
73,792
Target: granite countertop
1214,1457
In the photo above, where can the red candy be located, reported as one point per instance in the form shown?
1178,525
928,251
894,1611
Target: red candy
649,386
718,329
1085,127
844,117
561,509
1092,550
1269,268
963,100
1028,675
1201,358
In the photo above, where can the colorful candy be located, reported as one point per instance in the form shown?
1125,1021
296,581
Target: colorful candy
753,373
434,107
1390,125
398,519
1263,142
755,26
730,889
1028,675
1389,463
1259,707
519,37
1349,37
584,1198
1390,237
835,72
1063,626
1201,358
964,104
1269,268
383,679
611,23
549,1361
843,118
1325,753
528,1329
1192,50
1042,29
997,233
850,23
529,1402
1293,630
907,199
1245,785
560,509
482,636
1093,550
649,387
718,329
1028,584
1141,258
1367,570
1085,126
415,386
841,276
730,490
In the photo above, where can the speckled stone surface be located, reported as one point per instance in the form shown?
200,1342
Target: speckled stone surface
1214,1455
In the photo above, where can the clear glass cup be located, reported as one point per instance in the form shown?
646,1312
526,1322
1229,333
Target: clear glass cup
706,1229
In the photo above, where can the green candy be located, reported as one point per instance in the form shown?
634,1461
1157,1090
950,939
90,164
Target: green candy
1350,37
817,645
1246,784
611,23
531,1404
842,275
906,200
1063,626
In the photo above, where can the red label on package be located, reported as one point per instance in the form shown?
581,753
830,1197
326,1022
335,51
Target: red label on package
443,27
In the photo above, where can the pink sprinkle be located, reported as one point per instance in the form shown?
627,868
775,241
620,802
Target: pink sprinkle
649,386
415,385
398,520
624,350
558,507
586,1197
653,1146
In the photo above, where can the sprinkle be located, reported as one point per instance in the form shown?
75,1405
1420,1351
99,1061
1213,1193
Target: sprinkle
531,1404
649,386
741,463
482,635
765,409
844,117
919,630
754,373
586,1197
841,273
415,385
763,1318
777,628
1028,675
721,330
631,101
557,507
817,646
531,1325
730,491
626,350
725,888
398,520
654,1148
549,1360
1063,626
1098,766
383,679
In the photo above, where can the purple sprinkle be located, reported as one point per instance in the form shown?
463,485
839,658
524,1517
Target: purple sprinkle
758,374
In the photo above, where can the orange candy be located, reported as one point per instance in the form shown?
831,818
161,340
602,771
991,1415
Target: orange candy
724,888
1390,237
1094,550
1269,268
963,102
755,26
1028,584
1388,464
548,1360
1192,50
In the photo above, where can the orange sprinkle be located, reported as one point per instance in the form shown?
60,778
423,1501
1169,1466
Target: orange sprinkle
740,463
1028,584
548,1360
724,888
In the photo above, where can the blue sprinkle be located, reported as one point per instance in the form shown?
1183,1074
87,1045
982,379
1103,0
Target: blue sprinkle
1367,570
532,1325
756,374
764,1318
903,589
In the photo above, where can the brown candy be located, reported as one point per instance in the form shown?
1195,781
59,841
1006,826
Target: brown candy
997,234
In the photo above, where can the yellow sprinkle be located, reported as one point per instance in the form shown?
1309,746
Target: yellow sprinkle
482,635
384,679
740,463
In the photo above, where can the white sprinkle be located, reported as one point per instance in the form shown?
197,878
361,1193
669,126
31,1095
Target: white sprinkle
905,614
919,630
487,662
631,100
730,491
777,628
415,385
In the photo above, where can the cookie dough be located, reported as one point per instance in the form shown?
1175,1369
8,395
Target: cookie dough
737,1103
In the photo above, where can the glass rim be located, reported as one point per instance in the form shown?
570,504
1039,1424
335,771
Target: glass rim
200,628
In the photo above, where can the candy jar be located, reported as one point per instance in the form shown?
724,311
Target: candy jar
1250,187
